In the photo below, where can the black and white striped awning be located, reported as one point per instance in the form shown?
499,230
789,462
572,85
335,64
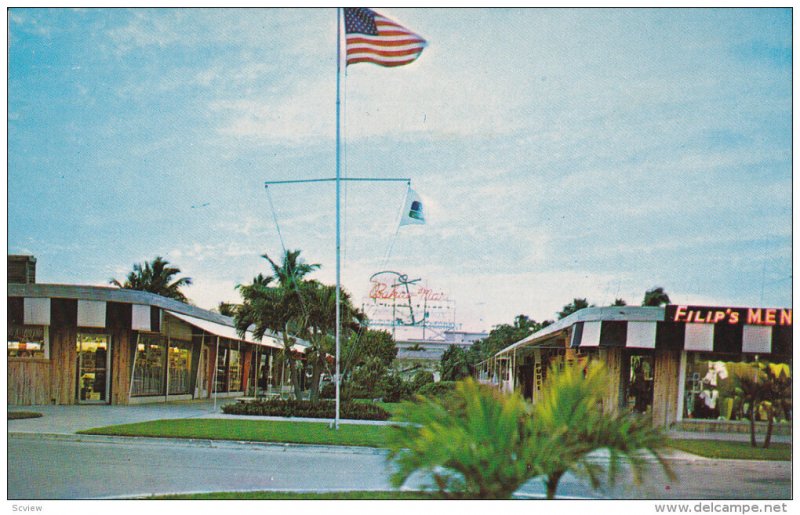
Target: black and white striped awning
722,337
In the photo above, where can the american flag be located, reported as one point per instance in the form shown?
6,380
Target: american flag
372,38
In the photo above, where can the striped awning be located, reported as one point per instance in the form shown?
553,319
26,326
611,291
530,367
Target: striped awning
723,338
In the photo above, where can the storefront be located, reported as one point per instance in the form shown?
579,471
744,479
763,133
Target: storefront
95,345
680,365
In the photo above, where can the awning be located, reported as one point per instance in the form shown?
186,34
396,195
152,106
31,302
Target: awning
229,332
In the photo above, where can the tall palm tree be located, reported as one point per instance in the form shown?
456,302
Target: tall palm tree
274,304
655,297
156,277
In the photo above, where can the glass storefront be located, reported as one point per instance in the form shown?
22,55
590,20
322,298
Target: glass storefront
93,367
180,362
235,371
713,389
148,369
229,369
221,375
639,386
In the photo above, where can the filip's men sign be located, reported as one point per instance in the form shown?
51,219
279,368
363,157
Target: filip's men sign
732,316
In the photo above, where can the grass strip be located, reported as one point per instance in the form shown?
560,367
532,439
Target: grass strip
733,450
252,430
274,496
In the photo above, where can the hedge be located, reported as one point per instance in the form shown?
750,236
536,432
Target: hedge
308,409
437,389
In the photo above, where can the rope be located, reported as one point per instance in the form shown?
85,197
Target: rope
396,232
275,218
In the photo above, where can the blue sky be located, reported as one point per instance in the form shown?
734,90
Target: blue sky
560,153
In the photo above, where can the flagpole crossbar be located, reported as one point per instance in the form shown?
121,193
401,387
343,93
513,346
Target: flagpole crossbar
333,179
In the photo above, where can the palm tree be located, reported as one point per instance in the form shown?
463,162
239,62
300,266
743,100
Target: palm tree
481,443
655,297
568,424
156,277
575,305
277,308
619,302
470,444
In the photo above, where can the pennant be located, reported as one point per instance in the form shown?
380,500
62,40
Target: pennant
412,212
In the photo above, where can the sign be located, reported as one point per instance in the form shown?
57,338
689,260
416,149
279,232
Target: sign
394,300
731,316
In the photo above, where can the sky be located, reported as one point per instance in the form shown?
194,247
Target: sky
559,153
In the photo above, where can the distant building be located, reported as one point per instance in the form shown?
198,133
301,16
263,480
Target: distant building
418,354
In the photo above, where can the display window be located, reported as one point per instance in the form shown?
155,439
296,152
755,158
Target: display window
714,387
221,375
180,362
639,391
30,342
148,367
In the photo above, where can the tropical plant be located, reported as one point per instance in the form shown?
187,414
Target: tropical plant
470,445
366,343
367,376
572,307
764,385
568,426
156,277
279,308
480,443
502,336
655,297
227,308
420,379
619,302
454,364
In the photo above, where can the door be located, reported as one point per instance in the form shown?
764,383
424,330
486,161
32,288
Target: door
94,360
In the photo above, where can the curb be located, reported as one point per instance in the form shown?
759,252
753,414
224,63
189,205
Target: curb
193,442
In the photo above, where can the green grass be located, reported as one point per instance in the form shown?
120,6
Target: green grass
253,430
353,495
373,436
733,450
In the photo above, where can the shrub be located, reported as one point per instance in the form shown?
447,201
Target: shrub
307,409
394,389
439,389
420,379
17,415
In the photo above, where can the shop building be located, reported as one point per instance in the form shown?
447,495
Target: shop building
677,364
71,344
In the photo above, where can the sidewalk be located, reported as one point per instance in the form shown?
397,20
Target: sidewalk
71,419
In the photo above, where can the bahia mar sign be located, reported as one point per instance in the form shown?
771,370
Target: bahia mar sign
732,316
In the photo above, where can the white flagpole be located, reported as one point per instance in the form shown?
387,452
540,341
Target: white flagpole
338,202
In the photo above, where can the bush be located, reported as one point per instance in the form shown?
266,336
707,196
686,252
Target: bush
420,379
17,415
439,389
307,409
394,389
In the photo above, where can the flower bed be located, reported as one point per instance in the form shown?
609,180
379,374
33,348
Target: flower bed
308,409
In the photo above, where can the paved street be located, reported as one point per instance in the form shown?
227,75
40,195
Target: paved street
99,467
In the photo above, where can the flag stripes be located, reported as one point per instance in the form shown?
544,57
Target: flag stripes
372,38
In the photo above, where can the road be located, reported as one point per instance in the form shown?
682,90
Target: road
98,467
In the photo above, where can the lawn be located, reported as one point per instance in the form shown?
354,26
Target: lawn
263,495
372,436
733,450
253,431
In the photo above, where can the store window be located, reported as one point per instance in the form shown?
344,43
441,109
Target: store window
640,383
28,342
148,367
221,375
235,371
713,389
180,362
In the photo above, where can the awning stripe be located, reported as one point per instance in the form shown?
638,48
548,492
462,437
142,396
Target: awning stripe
225,331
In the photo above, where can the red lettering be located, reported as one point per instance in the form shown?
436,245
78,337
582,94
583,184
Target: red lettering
786,317
754,316
770,317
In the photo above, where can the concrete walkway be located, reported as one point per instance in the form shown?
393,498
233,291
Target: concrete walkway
71,419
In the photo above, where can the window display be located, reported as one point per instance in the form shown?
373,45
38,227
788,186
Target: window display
148,368
716,387
180,359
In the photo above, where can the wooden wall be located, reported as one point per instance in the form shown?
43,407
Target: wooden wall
28,381
613,362
63,353
665,387
123,342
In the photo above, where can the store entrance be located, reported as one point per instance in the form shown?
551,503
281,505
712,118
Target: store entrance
638,380
94,359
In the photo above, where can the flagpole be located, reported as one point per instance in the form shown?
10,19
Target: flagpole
338,207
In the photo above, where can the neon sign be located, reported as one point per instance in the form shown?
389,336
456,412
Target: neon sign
731,316
395,300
